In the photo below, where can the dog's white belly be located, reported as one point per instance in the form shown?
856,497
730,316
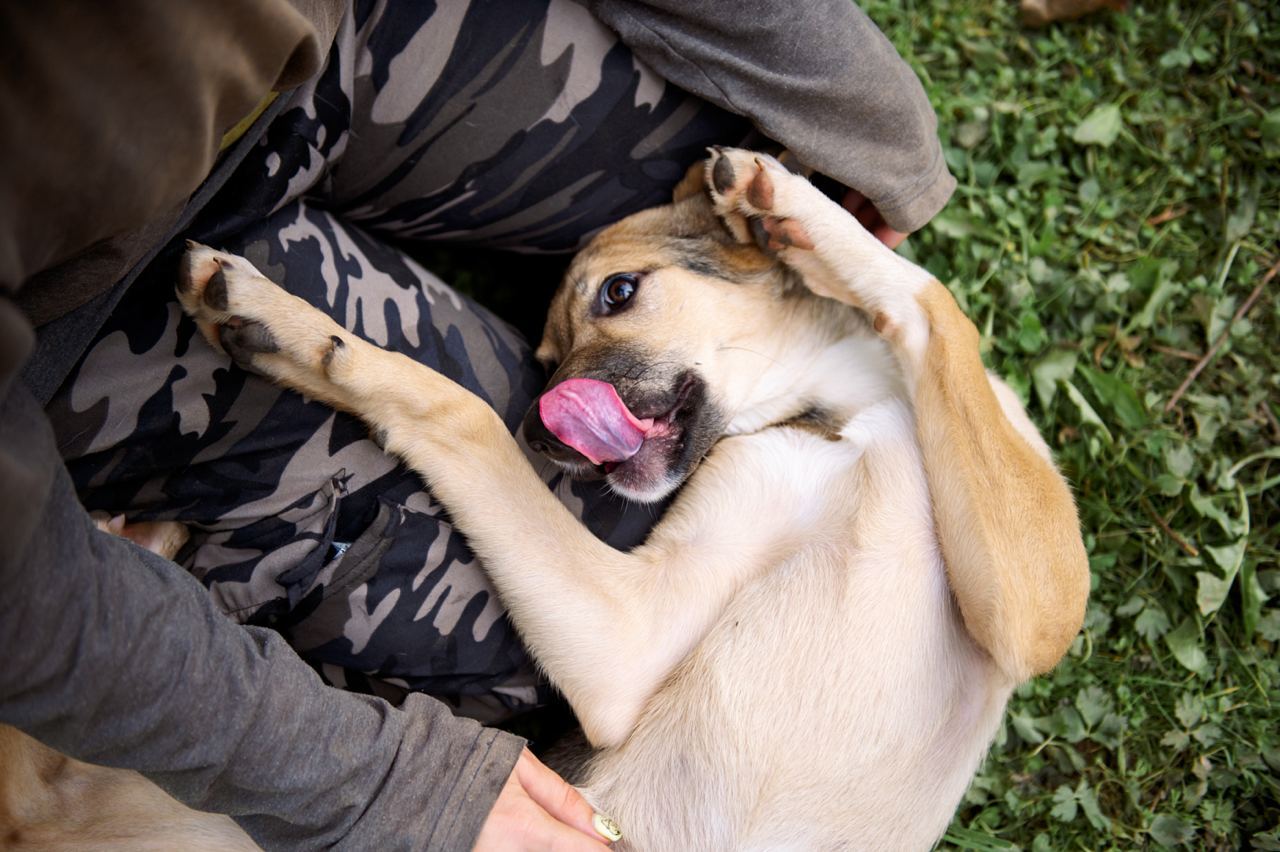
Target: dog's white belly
838,701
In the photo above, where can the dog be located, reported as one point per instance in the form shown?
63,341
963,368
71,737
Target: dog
869,549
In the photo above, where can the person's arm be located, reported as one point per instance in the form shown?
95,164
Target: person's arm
113,114
116,656
818,77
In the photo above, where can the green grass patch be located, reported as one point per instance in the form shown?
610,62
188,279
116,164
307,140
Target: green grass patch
1119,201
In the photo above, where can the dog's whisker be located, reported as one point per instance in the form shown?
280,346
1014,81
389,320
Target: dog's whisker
768,358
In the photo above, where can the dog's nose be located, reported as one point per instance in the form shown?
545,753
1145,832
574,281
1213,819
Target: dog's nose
542,440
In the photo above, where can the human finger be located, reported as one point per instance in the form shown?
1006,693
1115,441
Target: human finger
889,236
857,204
562,800
548,833
517,823
869,217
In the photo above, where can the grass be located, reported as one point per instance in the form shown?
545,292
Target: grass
1119,203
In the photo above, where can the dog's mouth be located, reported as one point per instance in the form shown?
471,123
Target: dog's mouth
643,452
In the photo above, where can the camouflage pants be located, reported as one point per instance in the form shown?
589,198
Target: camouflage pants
521,124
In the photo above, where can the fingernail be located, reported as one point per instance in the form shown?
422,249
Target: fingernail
606,827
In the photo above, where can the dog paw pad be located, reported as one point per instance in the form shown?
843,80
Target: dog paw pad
883,325
243,338
215,290
722,174
786,233
247,335
760,190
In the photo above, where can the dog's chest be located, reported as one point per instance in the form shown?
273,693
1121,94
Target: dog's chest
807,465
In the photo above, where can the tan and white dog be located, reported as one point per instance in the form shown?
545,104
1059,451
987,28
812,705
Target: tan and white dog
871,548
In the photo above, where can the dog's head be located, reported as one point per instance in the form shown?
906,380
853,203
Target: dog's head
656,342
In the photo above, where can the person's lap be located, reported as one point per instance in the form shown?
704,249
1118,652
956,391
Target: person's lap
299,520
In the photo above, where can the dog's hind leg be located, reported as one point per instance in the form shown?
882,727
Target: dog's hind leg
1006,519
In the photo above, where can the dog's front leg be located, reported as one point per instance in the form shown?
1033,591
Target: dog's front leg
607,627
1005,517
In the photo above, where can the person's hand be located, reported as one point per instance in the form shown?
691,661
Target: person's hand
866,213
537,810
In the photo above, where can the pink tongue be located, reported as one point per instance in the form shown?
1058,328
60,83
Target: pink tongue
588,415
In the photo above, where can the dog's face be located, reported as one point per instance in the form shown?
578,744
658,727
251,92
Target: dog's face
673,312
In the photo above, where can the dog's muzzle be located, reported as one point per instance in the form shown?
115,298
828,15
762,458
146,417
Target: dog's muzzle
541,440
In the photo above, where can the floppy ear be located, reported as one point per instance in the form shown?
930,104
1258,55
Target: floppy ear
693,183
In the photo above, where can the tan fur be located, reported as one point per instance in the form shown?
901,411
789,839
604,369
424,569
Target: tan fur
51,803
1027,613
1017,566
814,647
165,538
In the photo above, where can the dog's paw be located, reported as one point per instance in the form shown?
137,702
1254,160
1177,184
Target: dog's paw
264,329
211,289
752,193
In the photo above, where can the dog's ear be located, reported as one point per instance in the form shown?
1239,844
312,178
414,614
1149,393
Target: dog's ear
693,183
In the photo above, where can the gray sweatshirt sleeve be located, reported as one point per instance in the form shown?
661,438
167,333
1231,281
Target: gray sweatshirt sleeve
818,77
107,652
116,656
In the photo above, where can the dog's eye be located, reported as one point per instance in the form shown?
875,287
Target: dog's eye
617,290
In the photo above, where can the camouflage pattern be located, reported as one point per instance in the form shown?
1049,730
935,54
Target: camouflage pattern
521,125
